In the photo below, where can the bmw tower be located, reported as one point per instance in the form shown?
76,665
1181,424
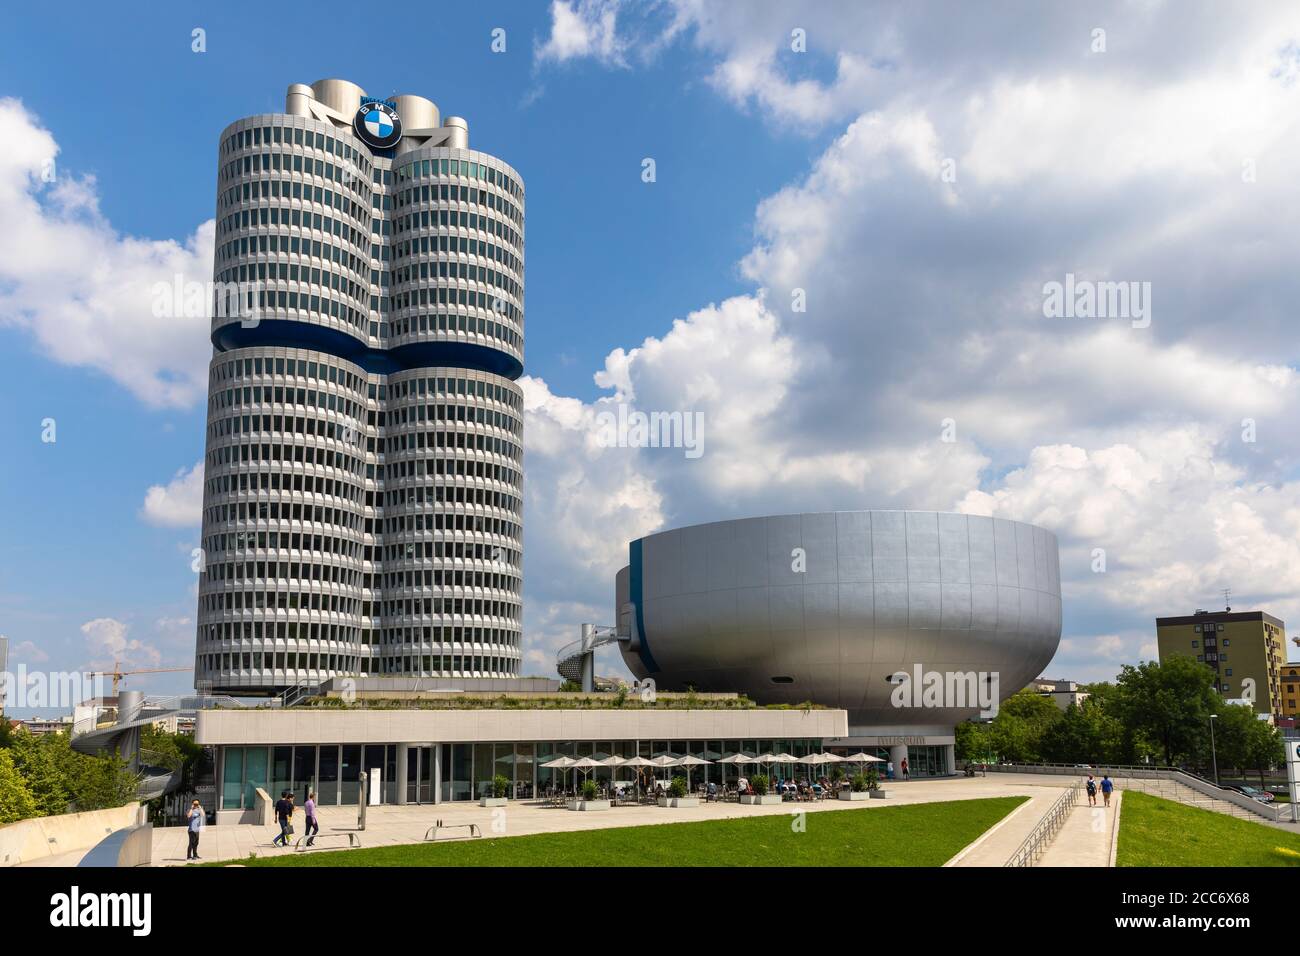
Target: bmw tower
362,503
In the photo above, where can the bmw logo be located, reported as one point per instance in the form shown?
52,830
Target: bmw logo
378,125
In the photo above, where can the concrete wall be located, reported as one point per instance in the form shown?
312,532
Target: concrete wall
310,725
33,839
130,847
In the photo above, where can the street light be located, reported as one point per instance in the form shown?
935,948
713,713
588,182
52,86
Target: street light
1213,756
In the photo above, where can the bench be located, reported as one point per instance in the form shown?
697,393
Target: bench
473,828
301,846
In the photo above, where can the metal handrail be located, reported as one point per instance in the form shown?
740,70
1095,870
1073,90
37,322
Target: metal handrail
1034,844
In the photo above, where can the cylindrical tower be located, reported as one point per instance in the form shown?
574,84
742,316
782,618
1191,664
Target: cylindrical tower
363,484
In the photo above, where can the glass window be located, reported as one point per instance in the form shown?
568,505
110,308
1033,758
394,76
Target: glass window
232,778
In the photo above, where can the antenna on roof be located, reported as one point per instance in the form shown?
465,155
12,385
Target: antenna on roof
1227,596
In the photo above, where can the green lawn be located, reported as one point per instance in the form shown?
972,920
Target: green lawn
1156,832
927,834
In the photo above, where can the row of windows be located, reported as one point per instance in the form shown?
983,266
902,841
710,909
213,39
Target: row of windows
452,635
284,219
391,580
449,664
457,323
237,540
273,192
465,245
258,164
451,193
321,400
231,455
476,607
455,635
281,600
428,168
451,492
316,249
454,219
318,282
460,468
255,136
411,387
464,271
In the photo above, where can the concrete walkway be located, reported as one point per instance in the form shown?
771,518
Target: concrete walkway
1086,837
395,825
995,847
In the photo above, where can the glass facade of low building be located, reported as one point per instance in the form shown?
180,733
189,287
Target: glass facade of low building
443,772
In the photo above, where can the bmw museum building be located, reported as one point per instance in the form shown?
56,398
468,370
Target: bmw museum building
363,530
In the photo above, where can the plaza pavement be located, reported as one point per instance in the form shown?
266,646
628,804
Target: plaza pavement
396,825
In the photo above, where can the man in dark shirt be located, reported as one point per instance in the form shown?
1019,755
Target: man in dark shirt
283,814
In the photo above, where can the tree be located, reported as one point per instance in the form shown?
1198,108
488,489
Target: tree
1170,702
35,758
1265,748
1085,733
16,801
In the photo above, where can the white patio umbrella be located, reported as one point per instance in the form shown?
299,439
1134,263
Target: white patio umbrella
861,757
637,761
559,763
663,761
690,761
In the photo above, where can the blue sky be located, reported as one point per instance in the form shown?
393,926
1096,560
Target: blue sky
774,170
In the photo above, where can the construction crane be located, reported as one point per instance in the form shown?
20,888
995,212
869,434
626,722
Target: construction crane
117,673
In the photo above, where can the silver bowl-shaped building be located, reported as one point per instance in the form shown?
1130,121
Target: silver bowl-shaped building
830,607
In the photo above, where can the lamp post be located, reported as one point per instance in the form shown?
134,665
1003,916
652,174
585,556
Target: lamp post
1214,756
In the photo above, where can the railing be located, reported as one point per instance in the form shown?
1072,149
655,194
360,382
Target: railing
1034,845
1188,779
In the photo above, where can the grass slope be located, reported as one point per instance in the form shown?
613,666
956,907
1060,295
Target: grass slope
1156,832
927,834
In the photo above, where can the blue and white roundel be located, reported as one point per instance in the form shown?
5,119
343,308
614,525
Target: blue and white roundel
378,125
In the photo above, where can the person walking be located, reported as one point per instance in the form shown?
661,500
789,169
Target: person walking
903,767
1107,785
196,816
283,814
1092,791
309,811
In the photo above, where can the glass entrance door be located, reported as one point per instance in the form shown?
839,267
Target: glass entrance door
419,775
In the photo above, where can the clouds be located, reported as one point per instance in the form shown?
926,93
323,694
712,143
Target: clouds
580,29
107,645
85,292
975,164
179,503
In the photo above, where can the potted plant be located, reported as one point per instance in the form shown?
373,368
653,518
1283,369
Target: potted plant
858,789
760,784
495,796
678,795
874,788
587,798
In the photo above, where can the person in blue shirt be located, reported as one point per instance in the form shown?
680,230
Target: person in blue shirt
196,827
1107,785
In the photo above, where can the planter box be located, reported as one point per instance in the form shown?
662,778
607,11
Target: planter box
491,801
768,799
855,795
588,804
879,794
679,801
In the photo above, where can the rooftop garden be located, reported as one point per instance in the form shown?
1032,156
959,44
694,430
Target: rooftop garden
617,700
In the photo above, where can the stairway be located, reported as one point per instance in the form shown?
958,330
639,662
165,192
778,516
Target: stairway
1179,792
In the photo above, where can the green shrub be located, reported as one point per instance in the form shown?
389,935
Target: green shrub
678,787
589,790
859,783
500,785
760,783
